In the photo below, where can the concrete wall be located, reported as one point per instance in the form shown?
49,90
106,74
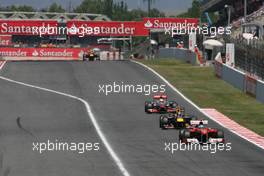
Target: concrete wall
239,80
234,77
181,54
260,91
228,74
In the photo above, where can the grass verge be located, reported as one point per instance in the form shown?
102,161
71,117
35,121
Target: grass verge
207,91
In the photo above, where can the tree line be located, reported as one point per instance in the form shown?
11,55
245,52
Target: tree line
118,11
114,10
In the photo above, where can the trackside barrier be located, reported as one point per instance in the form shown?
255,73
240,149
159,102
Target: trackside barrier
240,80
107,56
177,53
260,91
218,69
233,76
115,55
48,54
250,85
20,54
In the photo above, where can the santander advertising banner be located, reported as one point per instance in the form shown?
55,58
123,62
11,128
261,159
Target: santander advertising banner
5,40
41,53
73,27
107,28
27,27
92,28
163,23
79,28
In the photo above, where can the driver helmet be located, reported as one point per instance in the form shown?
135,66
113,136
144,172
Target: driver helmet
201,125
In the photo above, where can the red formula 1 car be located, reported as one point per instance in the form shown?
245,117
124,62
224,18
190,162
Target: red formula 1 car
160,104
198,133
91,55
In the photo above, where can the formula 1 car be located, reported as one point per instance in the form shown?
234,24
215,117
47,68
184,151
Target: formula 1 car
199,134
160,104
174,121
91,55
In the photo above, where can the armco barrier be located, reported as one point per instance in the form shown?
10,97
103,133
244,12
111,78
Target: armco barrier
234,77
177,53
240,80
260,91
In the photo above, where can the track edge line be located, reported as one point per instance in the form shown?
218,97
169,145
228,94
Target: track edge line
112,153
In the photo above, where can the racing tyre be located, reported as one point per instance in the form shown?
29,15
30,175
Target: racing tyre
184,135
220,134
163,121
181,134
187,134
147,107
147,111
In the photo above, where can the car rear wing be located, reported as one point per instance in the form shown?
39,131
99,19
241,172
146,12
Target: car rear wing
197,122
160,97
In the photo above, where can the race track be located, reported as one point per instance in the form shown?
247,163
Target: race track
134,136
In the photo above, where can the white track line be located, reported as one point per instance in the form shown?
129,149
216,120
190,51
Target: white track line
92,118
2,64
193,104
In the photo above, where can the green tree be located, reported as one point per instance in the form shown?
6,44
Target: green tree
136,15
25,8
13,8
108,8
54,7
22,8
121,12
150,2
90,6
156,13
193,12
115,10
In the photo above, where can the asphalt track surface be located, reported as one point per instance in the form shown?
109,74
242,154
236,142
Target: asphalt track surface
133,135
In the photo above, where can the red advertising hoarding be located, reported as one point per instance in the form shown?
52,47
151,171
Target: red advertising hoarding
80,28
92,28
107,28
28,27
5,40
41,53
163,23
